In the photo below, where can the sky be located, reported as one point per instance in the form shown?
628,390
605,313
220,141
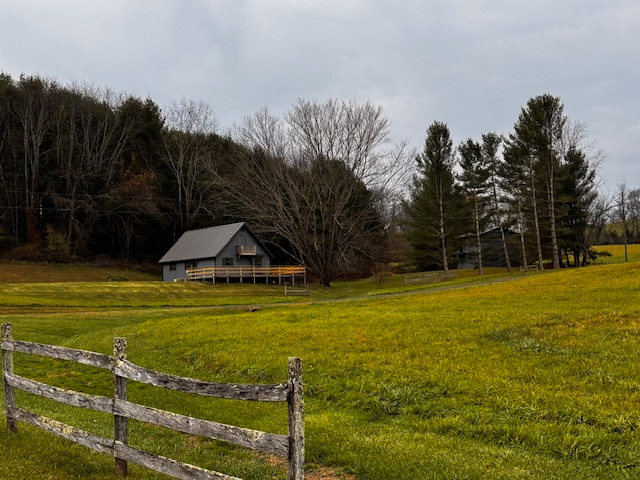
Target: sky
472,64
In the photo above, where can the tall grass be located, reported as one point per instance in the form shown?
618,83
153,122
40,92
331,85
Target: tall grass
535,378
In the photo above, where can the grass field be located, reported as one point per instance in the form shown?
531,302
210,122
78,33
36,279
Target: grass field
20,272
617,253
535,377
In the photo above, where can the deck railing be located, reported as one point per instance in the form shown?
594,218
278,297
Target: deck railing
242,273
249,250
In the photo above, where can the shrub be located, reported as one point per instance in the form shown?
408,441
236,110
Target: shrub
31,252
57,248
380,272
117,278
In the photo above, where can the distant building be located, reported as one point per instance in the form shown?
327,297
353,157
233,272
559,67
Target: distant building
492,249
202,251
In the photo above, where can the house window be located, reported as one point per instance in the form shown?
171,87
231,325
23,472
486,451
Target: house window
191,264
172,267
227,261
257,261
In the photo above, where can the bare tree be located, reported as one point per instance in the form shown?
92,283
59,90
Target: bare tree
264,131
314,180
599,217
622,211
89,143
189,125
634,213
357,134
35,111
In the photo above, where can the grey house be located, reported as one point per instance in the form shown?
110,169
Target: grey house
227,251
492,249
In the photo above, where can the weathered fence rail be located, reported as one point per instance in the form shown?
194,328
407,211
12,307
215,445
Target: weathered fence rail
429,277
290,446
529,268
288,291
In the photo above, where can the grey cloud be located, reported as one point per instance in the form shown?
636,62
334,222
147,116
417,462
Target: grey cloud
470,63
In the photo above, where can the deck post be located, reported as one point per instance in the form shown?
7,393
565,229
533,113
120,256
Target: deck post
296,420
121,424
9,391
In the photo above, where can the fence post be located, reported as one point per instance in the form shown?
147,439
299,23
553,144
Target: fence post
296,420
9,391
120,393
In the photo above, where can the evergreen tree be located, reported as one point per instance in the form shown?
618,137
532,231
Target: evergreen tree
576,197
490,146
516,180
473,180
538,134
436,208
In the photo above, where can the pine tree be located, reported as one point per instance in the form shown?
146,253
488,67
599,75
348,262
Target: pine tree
538,139
473,179
436,209
576,195
490,146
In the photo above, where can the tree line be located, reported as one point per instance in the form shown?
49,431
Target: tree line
538,183
85,171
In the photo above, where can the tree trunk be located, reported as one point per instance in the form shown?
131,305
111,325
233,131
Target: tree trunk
523,246
441,232
496,210
478,240
536,222
552,221
505,248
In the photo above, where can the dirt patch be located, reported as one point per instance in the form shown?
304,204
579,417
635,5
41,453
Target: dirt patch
324,473
314,472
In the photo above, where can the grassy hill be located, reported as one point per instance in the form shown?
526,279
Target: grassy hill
536,377
21,272
617,253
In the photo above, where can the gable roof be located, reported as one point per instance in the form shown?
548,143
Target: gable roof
507,231
205,242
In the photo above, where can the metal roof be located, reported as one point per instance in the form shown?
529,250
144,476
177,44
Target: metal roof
203,243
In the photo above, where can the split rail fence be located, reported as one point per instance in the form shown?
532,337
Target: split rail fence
529,268
429,277
288,291
289,446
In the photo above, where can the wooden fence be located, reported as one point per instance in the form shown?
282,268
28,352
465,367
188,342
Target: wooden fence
289,446
288,291
428,277
529,268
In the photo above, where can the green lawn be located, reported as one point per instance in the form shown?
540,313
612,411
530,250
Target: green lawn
533,378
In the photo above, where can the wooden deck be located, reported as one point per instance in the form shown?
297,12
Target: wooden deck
280,274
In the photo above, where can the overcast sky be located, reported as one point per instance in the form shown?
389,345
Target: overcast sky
470,63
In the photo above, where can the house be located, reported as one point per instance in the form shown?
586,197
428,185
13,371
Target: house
492,249
227,251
